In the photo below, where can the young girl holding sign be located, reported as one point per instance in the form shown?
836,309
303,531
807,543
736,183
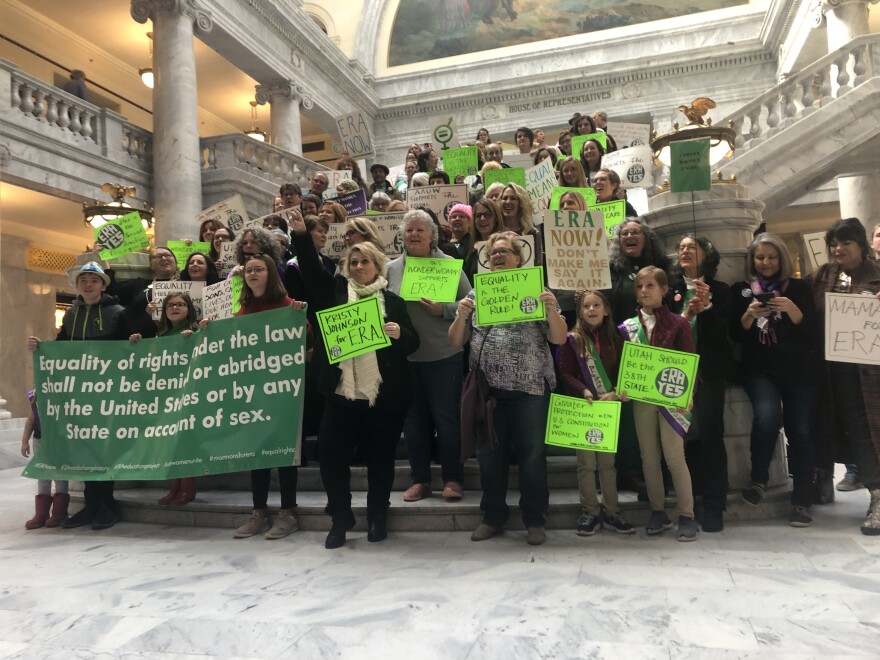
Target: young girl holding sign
588,363
659,428
178,318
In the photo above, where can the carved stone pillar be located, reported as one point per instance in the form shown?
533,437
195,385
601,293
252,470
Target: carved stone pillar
284,98
177,181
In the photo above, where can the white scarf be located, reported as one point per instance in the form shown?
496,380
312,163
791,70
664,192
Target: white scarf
360,375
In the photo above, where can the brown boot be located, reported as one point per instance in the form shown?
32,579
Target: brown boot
187,492
60,502
41,504
173,493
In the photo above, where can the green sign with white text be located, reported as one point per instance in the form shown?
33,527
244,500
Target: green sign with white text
579,424
122,236
225,399
509,296
352,329
689,167
436,279
657,375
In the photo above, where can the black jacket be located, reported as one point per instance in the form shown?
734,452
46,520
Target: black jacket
713,344
105,320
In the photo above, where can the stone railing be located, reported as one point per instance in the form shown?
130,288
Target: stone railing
816,85
257,158
137,143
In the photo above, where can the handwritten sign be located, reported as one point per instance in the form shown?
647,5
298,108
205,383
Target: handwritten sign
689,168
354,203
657,375
336,177
817,252
352,329
578,424
634,166
161,290
614,213
588,194
122,236
217,300
528,254
540,182
230,213
509,296
182,251
852,328
460,162
576,249
440,199
436,279
227,257
354,133
629,135
388,225
504,176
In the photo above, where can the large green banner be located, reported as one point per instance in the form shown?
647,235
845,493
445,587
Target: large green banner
580,424
657,375
225,399
509,296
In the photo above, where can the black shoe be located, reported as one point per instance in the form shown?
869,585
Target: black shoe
80,519
105,518
376,531
336,535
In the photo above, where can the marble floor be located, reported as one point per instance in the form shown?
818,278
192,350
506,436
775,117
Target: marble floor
759,589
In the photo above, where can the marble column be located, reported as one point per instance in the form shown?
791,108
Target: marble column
845,20
284,99
177,175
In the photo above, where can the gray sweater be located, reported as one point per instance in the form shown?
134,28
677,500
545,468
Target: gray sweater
433,330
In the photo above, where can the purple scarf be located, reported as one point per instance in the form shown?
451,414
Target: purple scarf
770,328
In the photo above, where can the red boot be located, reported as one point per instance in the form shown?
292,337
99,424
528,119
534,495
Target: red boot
187,492
172,494
59,509
42,504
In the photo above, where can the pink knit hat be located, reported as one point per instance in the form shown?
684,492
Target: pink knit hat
463,208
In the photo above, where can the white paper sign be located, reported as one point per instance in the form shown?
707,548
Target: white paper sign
483,255
354,133
576,250
440,199
227,257
540,182
516,159
638,199
629,135
817,252
337,176
388,225
230,213
162,289
634,166
217,300
852,328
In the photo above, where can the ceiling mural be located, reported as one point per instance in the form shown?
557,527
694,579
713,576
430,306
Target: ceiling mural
430,29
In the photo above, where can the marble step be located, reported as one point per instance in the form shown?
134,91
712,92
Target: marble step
231,508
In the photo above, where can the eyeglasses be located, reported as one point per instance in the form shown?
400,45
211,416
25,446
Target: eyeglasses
500,252
482,215
177,305
256,270
159,257
630,232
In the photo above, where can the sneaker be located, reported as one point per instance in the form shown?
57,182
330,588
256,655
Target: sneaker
285,523
80,519
417,492
687,529
105,518
452,491
535,535
485,532
849,482
618,523
800,517
257,523
658,523
587,524
753,493
871,525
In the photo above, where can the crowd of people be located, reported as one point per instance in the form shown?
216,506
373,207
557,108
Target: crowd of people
442,371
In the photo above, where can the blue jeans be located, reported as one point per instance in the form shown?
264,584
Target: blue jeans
520,425
773,407
436,405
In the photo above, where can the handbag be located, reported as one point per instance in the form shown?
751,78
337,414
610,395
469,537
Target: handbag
477,410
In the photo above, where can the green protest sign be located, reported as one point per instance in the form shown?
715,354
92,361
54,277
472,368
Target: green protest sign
615,213
504,176
577,142
579,424
122,236
237,286
463,161
436,279
182,250
657,375
225,399
352,329
588,194
689,166
509,296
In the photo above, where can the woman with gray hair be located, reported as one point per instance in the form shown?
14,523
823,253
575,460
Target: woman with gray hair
773,317
436,367
379,202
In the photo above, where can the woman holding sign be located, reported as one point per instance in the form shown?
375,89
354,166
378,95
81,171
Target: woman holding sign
199,268
849,419
774,319
606,183
591,158
366,396
518,367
